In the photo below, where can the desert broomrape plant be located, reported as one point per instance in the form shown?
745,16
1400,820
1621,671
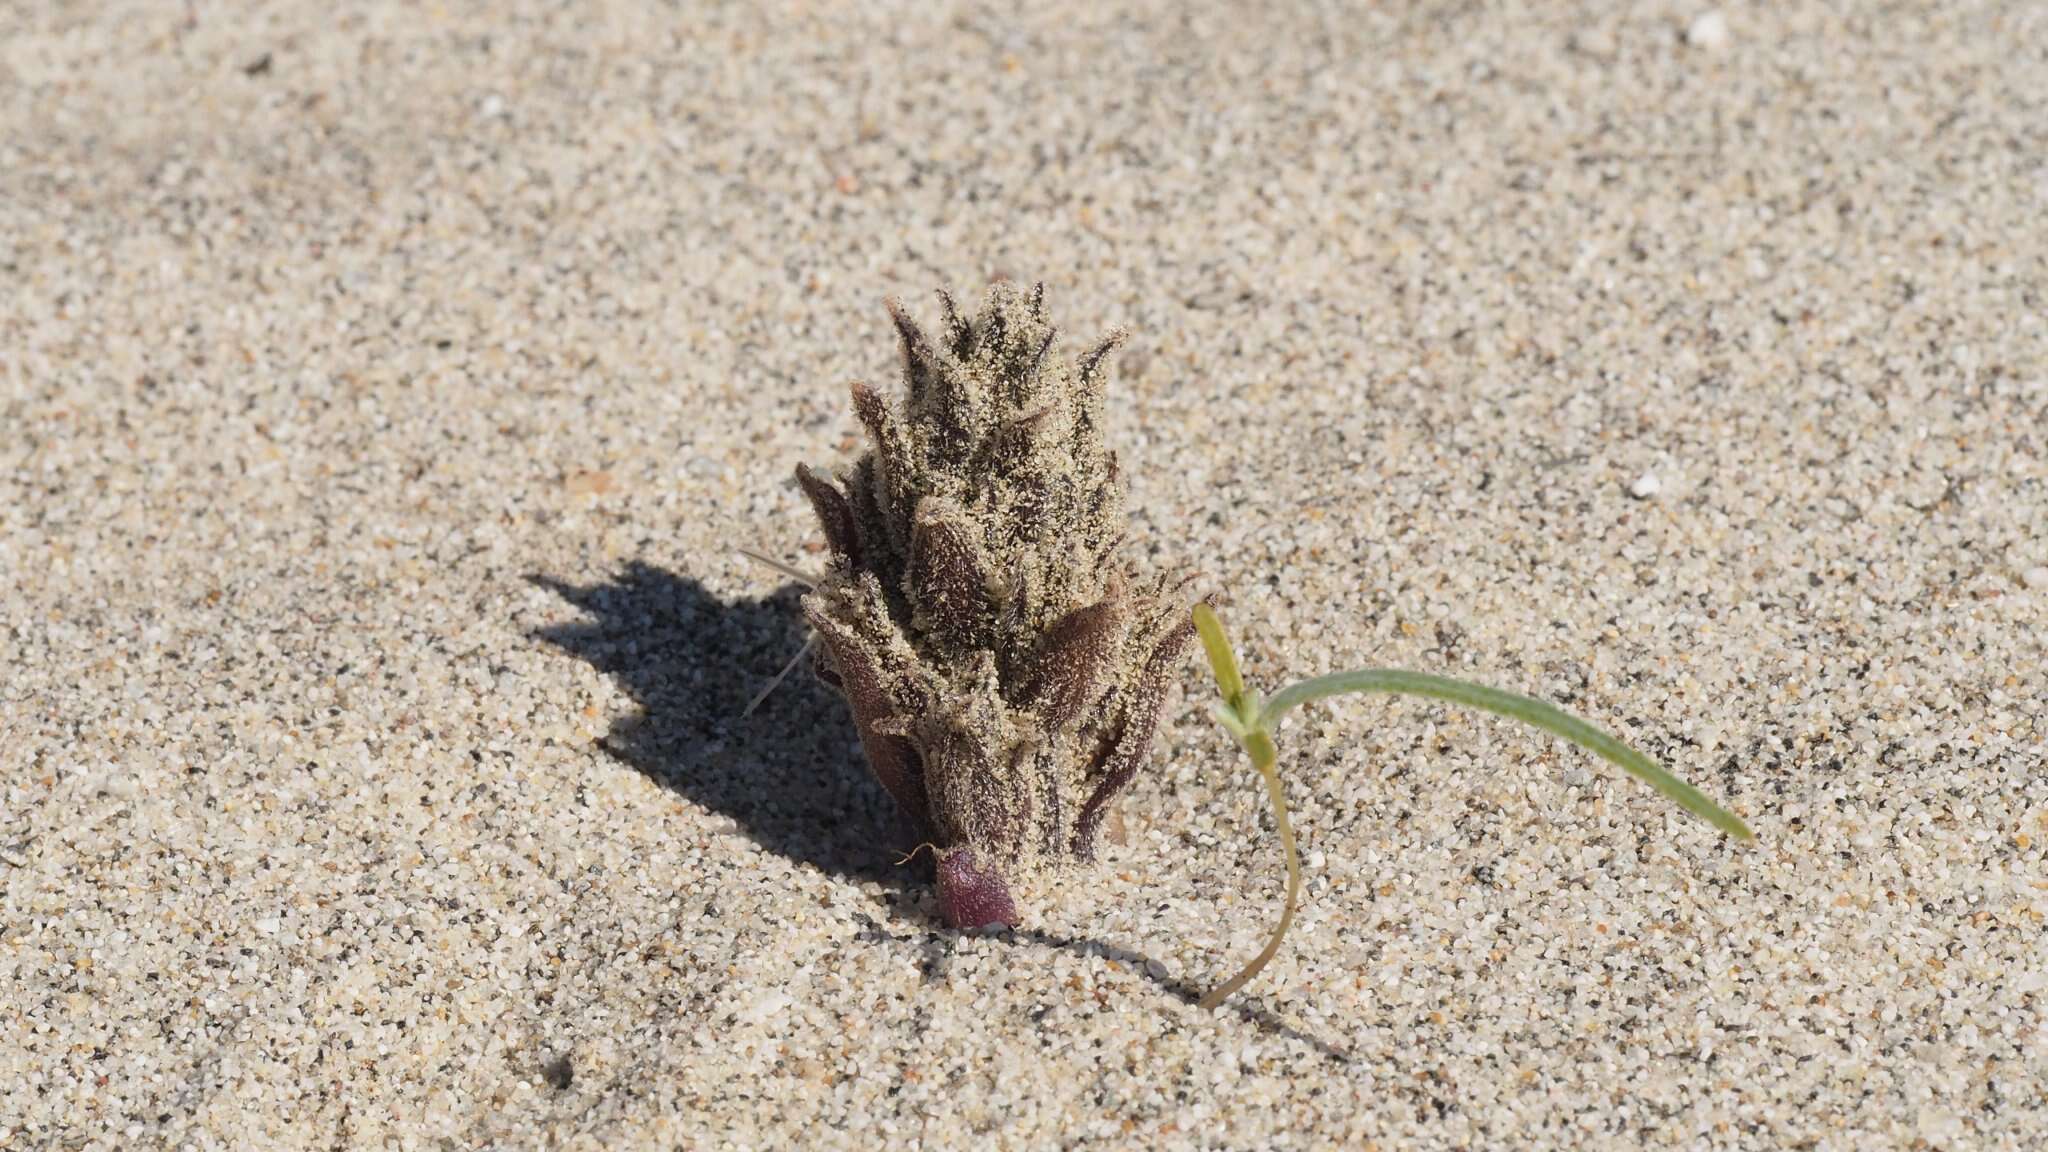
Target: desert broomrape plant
1253,723
1005,667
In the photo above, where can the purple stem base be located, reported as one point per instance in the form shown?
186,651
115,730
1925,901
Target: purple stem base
969,896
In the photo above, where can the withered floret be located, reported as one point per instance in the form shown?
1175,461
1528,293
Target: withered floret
1005,668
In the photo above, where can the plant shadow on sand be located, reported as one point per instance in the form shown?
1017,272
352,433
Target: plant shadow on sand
790,774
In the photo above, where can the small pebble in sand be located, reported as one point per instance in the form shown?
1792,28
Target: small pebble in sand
1646,486
1708,30
2035,577
1939,1126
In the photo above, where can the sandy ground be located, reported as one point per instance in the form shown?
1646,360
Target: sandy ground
383,390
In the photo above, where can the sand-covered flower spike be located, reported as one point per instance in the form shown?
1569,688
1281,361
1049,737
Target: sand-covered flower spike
1005,665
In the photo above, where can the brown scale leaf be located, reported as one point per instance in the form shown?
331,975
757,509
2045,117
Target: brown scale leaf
835,515
1075,662
1140,723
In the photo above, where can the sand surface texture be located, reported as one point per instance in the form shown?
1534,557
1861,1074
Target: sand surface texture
383,389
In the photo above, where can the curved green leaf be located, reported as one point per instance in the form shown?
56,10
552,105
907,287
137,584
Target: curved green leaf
1516,707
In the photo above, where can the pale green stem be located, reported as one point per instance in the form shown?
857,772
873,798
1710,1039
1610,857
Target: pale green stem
1261,743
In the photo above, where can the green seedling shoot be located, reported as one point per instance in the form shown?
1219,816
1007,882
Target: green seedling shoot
1253,723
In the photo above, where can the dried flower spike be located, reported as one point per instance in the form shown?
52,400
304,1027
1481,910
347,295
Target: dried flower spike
1005,669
